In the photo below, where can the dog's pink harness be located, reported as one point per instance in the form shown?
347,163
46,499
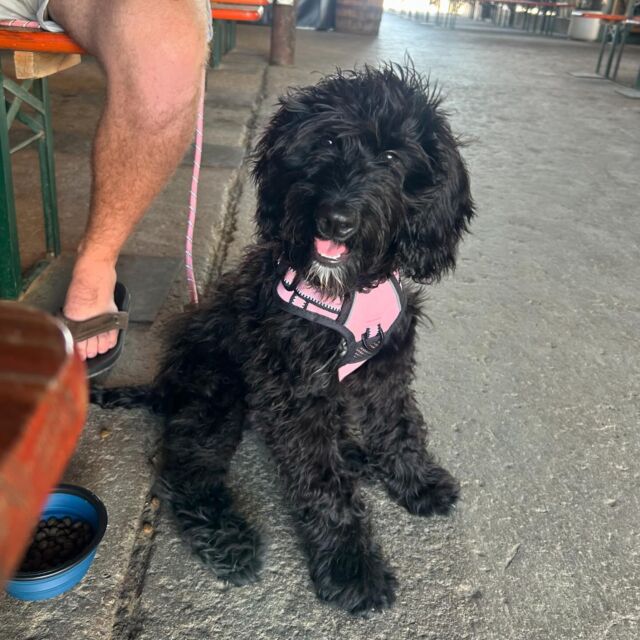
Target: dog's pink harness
363,319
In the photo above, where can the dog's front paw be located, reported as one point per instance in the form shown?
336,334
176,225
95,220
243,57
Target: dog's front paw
230,547
438,493
356,582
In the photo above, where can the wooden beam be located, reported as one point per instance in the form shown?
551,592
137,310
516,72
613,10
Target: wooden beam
30,64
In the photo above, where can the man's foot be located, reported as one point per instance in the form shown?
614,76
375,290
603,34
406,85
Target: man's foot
90,293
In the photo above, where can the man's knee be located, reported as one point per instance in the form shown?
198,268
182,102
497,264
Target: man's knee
157,65
168,87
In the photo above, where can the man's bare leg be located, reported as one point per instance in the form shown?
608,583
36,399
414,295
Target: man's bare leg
153,55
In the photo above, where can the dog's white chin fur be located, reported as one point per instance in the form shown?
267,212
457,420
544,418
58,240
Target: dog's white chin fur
328,278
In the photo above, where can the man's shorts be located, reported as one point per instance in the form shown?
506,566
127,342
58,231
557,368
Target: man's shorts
37,10
28,10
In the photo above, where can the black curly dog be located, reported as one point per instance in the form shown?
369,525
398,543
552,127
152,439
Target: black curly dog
359,178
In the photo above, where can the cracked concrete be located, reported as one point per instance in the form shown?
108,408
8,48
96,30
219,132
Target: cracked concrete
529,374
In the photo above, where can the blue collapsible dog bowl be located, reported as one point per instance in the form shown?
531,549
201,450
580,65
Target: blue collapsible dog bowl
79,504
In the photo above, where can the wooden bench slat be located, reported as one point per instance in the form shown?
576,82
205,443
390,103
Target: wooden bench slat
15,40
246,3
237,15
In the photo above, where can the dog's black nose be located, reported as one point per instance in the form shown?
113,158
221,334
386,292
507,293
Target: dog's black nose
336,224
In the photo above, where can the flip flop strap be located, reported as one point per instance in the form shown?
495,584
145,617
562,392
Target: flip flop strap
85,329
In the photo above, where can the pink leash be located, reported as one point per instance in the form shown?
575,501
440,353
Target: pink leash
193,199
195,178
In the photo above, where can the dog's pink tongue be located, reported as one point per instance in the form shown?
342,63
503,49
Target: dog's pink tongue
330,249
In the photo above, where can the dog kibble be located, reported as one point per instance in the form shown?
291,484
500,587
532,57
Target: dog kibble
56,541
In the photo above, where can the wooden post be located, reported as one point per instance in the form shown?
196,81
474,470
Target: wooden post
283,33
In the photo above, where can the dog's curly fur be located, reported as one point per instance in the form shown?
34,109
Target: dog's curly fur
374,144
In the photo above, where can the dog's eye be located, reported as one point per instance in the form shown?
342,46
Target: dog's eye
390,157
328,142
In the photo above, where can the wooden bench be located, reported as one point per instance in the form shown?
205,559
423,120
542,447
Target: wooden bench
38,54
533,10
617,27
547,10
226,13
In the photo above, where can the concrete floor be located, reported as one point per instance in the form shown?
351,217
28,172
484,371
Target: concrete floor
530,375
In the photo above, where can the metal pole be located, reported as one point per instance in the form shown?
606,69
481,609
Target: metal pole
625,33
283,33
603,46
614,46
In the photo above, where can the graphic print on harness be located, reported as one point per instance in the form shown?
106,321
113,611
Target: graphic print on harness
363,319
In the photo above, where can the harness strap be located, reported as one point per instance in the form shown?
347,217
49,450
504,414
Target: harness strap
364,319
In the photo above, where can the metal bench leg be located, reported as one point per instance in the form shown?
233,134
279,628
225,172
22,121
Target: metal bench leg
614,46
543,24
216,48
10,276
625,34
603,46
229,37
47,171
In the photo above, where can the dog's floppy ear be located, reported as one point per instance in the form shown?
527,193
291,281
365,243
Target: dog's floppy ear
265,177
439,207
269,171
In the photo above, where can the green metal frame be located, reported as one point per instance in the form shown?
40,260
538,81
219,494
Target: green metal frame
14,95
622,36
224,40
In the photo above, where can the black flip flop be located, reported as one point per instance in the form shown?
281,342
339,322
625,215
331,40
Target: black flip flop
85,329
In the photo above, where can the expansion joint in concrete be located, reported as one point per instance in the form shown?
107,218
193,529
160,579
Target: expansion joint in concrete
236,188
128,622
